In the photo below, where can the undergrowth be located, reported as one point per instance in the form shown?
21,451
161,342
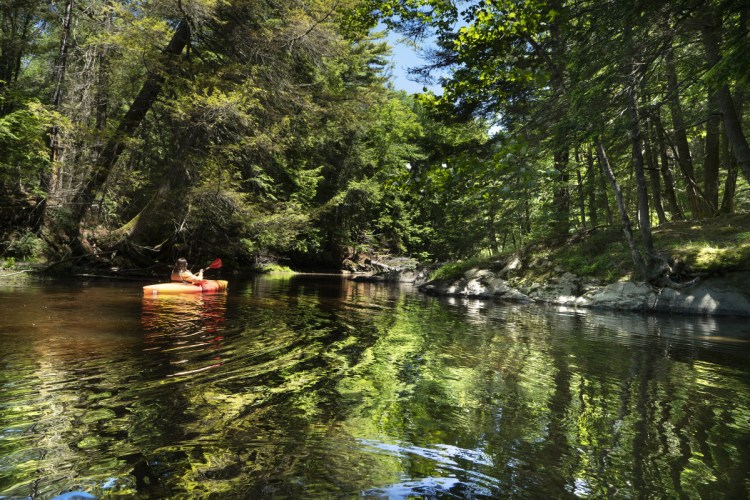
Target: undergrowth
275,268
709,246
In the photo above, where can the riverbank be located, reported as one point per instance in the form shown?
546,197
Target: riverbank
593,270
727,295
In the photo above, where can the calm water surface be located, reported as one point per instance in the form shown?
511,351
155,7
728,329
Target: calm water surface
317,387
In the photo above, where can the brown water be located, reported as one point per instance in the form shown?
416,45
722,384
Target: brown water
317,387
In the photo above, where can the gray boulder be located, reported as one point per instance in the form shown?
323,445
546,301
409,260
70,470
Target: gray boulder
624,295
724,296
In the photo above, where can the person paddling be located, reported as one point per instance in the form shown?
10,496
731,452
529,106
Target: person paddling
181,272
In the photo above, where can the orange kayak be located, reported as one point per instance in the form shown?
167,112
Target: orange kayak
174,288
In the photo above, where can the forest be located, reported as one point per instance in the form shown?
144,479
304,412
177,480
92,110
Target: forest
269,130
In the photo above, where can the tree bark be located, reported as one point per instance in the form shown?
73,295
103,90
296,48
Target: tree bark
644,220
627,227
591,175
15,22
561,154
581,194
711,161
49,177
609,216
653,174
684,159
561,218
730,184
666,172
732,124
711,41
128,125
60,67
102,80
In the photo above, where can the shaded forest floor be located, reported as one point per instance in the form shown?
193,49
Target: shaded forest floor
708,247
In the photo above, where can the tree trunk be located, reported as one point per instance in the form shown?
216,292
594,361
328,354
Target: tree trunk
666,172
15,24
59,72
128,125
732,124
609,216
711,162
561,217
102,80
591,175
644,219
730,184
627,227
653,174
684,159
711,41
581,195
49,177
561,154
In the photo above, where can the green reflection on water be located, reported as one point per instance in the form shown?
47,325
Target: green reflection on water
319,387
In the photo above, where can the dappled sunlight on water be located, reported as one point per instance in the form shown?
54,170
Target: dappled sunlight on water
315,386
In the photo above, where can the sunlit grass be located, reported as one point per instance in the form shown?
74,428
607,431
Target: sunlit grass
275,268
453,270
709,246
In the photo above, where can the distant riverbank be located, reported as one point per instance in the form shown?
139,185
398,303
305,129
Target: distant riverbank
593,269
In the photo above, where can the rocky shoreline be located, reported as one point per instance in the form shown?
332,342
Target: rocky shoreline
727,295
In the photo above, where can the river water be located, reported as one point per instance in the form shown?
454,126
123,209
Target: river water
318,387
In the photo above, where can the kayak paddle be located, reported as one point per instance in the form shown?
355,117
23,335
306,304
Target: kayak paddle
216,264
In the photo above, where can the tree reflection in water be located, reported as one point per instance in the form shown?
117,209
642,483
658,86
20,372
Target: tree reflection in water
317,387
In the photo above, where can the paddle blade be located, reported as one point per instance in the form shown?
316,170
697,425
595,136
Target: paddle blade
215,264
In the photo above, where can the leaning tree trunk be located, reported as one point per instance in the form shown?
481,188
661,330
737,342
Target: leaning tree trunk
116,144
173,181
627,227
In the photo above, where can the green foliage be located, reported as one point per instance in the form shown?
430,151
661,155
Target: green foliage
23,150
603,254
453,270
276,133
25,246
275,268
